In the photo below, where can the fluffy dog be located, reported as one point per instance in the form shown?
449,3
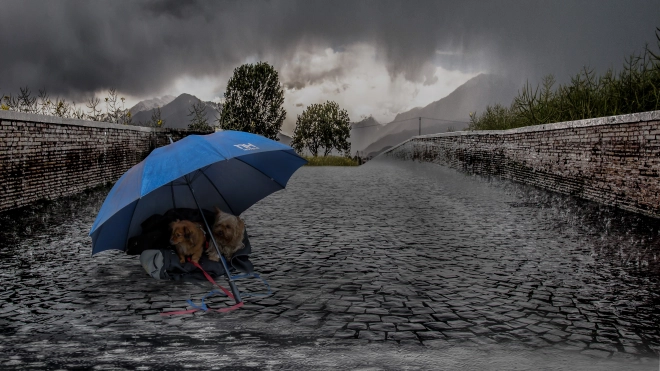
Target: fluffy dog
188,238
228,232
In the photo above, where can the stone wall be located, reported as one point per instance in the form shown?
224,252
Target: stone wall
611,160
45,157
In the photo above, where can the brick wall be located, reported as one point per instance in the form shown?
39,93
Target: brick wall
611,160
45,157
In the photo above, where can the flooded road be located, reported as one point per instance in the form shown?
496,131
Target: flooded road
392,265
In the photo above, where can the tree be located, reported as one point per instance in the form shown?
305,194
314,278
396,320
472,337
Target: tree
306,134
198,120
322,126
253,101
341,128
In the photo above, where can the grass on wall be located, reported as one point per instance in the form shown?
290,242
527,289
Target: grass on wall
636,88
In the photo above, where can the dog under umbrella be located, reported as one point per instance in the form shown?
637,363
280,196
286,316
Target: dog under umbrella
228,169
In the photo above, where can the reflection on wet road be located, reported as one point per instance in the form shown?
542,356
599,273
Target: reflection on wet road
390,265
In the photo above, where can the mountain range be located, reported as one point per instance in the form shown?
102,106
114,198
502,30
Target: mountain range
451,113
369,137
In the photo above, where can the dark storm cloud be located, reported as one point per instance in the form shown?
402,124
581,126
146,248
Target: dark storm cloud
302,75
76,47
176,8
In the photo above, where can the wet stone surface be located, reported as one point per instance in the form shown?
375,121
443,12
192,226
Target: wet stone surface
386,257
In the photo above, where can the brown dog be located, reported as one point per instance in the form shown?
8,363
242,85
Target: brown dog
188,238
228,232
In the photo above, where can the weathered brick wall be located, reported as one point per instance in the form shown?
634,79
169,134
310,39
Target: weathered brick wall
611,160
44,157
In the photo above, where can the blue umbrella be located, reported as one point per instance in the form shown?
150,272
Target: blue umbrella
229,169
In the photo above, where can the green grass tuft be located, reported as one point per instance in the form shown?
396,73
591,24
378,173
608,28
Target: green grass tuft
330,161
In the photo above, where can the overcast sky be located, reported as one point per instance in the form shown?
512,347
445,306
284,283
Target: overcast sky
372,57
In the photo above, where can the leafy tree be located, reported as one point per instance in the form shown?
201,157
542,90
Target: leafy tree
322,126
306,135
341,128
198,120
253,101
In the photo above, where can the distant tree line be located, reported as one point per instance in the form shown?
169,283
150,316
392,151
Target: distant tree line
636,88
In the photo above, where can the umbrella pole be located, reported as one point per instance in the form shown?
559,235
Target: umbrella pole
225,266
232,284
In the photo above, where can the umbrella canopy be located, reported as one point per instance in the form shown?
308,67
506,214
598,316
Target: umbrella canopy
229,169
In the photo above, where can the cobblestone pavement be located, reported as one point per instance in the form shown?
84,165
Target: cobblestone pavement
392,265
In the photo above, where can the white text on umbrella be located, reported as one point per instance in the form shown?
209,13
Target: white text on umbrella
246,147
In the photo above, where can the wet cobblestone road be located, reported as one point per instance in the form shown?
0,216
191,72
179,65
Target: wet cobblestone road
392,265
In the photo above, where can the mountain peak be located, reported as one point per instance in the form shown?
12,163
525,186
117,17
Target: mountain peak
368,121
175,114
186,96
149,104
